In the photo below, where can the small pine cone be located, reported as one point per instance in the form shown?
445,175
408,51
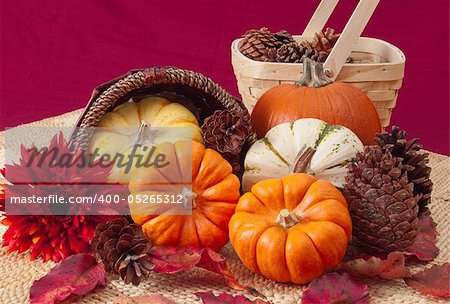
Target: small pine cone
320,47
283,37
325,40
289,53
123,249
308,52
256,44
413,160
381,201
225,131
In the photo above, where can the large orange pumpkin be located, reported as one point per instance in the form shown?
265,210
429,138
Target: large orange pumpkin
291,229
316,96
214,193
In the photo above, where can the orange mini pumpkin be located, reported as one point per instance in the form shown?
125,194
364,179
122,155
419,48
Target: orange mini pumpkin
214,192
316,96
291,229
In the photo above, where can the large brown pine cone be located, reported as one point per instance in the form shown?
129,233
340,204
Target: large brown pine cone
259,45
381,201
414,160
123,249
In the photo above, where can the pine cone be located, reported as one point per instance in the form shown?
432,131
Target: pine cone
291,52
283,37
381,201
257,44
235,162
325,40
225,132
309,52
414,161
123,249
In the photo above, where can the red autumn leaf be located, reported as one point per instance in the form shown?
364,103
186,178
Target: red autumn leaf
336,288
434,281
424,247
393,267
176,259
152,298
168,259
76,275
224,298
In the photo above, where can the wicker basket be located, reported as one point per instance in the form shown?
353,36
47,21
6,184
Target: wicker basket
377,67
198,93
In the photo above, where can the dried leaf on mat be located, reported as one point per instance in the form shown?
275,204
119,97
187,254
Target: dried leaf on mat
391,268
434,281
76,275
224,298
336,288
176,259
424,247
155,298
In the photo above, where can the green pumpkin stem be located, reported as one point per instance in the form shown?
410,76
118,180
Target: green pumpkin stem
313,75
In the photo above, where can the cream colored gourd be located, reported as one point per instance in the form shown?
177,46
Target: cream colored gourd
134,123
307,145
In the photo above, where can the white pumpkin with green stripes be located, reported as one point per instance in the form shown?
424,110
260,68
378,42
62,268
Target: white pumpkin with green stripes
307,145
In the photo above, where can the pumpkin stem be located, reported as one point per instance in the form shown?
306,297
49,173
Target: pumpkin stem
313,75
303,160
141,132
187,194
286,219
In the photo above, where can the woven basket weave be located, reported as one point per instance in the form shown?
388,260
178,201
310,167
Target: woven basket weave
194,90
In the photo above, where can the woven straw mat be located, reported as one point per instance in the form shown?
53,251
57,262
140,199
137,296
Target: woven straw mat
17,272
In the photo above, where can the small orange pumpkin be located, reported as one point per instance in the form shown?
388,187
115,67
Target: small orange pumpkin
291,229
214,193
316,96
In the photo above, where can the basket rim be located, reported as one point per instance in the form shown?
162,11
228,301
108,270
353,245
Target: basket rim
400,55
145,78
99,89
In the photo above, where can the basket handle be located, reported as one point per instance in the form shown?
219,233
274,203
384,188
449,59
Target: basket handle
349,36
320,17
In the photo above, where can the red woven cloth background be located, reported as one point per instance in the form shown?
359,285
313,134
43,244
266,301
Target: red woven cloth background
53,53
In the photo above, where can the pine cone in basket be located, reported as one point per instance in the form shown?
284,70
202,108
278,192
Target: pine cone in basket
381,201
324,41
310,52
283,37
225,131
123,249
235,162
259,44
291,52
413,160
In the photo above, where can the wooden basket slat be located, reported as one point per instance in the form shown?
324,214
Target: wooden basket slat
382,95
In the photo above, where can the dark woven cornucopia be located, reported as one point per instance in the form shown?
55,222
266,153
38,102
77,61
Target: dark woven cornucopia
197,92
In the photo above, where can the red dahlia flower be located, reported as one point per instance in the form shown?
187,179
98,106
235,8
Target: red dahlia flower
54,237
43,230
